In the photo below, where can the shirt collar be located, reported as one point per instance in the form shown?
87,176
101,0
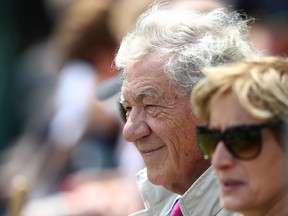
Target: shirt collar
170,209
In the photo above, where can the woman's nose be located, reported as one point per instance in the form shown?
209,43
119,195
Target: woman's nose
136,126
221,157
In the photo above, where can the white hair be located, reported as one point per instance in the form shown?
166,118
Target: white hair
187,40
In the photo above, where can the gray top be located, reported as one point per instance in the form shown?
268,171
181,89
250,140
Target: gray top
202,198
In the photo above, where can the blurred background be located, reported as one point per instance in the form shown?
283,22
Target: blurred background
60,144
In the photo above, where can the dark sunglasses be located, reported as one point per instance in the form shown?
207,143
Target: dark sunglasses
243,141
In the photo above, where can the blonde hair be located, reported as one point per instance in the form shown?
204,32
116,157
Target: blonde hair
261,86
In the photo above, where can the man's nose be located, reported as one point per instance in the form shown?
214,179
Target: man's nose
136,126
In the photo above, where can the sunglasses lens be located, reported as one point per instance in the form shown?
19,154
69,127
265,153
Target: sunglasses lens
207,140
244,143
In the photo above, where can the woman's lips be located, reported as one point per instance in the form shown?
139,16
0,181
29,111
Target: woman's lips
230,185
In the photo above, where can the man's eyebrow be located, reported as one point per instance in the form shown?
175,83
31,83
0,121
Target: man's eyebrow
139,95
146,93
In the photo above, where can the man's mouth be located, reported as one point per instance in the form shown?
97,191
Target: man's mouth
148,152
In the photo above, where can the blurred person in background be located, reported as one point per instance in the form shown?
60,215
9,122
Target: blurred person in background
86,48
160,61
246,145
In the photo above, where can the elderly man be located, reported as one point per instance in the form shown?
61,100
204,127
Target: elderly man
160,61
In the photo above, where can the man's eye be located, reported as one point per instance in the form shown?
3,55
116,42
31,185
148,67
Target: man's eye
152,110
149,106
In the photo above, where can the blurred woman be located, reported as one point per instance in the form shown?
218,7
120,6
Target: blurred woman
244,106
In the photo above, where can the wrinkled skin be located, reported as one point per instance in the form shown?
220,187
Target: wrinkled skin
161,125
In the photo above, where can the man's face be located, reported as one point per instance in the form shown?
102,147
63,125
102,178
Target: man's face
161,125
